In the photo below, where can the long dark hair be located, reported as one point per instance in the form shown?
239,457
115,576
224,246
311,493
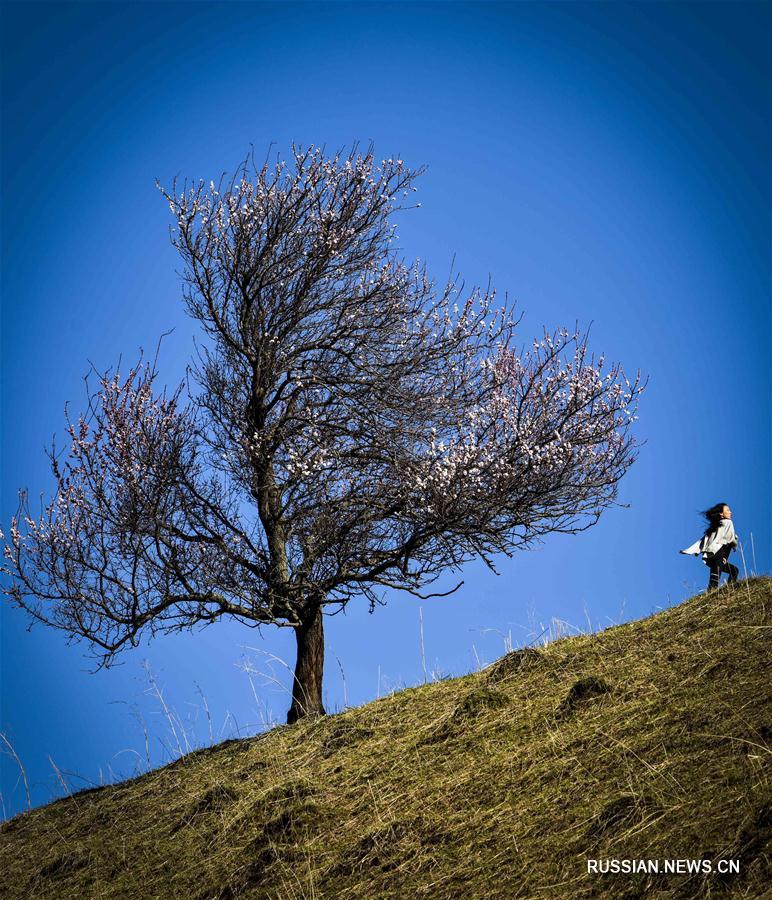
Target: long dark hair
714,516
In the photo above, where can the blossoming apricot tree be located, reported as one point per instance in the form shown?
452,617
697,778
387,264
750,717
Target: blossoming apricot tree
347,428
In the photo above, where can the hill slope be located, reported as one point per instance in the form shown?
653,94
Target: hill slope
650,740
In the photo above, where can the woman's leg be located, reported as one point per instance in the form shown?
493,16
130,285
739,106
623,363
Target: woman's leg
719,563
726,566
714,563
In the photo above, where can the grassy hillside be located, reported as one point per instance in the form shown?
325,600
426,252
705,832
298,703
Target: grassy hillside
651,740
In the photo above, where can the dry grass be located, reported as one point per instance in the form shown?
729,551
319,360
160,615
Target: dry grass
650,740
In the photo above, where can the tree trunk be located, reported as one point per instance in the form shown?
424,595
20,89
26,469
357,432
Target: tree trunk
309,667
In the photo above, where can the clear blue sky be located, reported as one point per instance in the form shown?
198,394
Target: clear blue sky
606,163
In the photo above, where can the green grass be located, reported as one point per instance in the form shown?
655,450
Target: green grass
650,740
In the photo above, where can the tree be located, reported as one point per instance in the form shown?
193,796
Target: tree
345,427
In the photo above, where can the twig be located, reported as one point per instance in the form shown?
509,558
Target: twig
126,750
343,678
421,628
206,710
59,775
745,570
21,767
154,689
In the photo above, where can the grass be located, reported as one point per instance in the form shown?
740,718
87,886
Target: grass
650,740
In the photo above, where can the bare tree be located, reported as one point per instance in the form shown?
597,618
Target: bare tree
345,428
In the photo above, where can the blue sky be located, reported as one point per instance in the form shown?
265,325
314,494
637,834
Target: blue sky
606,163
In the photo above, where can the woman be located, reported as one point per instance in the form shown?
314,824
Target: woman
716,544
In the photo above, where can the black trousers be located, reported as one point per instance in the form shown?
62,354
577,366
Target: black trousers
718,563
